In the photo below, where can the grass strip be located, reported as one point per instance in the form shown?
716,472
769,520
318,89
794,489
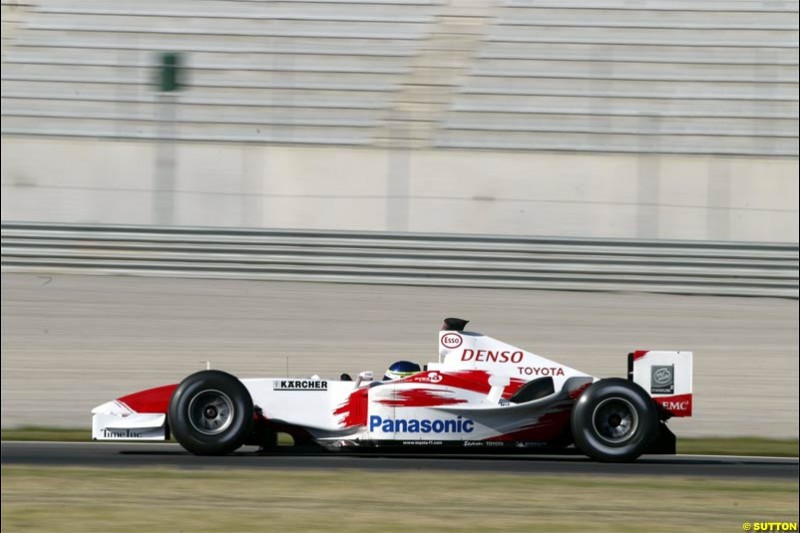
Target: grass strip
157,499
739,446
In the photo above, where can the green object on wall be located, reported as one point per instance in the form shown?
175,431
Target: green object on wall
169,72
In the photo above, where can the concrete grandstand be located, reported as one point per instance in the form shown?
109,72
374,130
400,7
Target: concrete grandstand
694,98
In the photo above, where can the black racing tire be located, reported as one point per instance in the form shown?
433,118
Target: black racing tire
210,413
614,420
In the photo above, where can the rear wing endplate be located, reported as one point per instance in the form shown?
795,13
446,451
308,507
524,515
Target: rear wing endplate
666,376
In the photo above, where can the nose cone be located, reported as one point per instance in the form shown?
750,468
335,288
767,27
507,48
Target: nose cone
112,408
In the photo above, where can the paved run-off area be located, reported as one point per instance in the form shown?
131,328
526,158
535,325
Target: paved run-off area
72,342
148,455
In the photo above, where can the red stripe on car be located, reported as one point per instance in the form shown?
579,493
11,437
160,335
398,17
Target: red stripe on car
149,401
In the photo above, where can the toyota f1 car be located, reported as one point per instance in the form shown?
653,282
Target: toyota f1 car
481,393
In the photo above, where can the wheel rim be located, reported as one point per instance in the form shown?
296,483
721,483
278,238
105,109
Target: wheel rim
615,420
211,412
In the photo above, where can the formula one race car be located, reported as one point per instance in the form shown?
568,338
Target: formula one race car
482,393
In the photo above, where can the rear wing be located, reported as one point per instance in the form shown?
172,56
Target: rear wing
666,376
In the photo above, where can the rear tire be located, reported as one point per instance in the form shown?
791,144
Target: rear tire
210,413
614,420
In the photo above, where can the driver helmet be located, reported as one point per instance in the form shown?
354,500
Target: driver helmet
400,370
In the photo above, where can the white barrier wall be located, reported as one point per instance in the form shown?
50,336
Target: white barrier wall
453,191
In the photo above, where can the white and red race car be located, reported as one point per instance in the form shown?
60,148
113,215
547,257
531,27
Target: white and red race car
482,393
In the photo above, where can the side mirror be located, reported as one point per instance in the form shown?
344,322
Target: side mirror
365,375
498,384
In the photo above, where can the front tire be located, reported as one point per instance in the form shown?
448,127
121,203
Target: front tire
210,413
614,420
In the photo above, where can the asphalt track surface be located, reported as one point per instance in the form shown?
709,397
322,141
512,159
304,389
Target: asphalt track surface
113,455
70,343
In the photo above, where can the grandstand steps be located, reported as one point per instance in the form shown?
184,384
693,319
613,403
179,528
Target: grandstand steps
651,53
207,77
665,76
616,105
554,121
263,61
144,128
345,95
240,28
641,70
426,92
662,76
189,111
645,36
693,17
547,85
618,143
322,9
13,14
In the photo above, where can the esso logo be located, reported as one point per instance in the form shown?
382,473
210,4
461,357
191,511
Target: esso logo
434,377
451,340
